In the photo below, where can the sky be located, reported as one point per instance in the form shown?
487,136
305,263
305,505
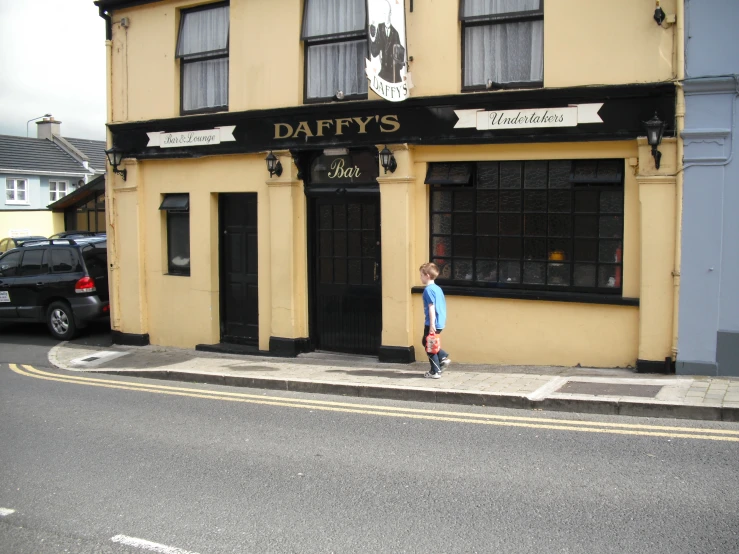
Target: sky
52,60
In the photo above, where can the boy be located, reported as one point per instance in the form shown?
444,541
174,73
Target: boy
434,310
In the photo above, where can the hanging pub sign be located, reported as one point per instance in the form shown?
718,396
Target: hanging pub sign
387,64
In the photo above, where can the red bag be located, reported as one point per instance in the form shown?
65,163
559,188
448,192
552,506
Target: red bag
433,343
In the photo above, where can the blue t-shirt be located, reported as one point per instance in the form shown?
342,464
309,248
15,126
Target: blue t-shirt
434,295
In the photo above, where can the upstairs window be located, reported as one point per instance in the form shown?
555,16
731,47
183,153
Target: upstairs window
202,48
537,225
335,49
502,44
57,190
16,191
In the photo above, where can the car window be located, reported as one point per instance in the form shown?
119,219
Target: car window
35,262
64,260
9,264
96,260
2,245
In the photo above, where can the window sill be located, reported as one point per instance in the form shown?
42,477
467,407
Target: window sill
214,109
548,296
170,274
14,203
507,87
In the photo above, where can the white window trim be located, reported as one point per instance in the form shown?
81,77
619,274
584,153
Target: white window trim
56,192
26,202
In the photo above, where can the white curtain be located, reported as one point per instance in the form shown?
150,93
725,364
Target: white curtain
204,31
491,7
336,66
329,17
205,84
504,52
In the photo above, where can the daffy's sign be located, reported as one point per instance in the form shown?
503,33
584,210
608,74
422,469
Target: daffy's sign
387,64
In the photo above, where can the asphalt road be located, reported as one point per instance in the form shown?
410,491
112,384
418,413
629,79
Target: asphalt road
213,469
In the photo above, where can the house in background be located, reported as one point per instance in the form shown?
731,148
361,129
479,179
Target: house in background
36,172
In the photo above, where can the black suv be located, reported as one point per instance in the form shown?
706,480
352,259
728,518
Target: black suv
63,283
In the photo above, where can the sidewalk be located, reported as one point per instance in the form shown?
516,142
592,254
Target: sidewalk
573,389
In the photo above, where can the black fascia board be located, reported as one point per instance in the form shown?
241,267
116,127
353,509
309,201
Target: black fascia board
423,121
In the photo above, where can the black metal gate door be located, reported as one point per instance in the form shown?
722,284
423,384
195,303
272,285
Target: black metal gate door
239,268
346,311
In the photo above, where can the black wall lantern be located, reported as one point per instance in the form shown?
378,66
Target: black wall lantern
115,156
273,164
659,15
388,160
655,129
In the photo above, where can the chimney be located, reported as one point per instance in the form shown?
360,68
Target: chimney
47,128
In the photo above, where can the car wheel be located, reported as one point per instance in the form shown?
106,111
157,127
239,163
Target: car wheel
60,320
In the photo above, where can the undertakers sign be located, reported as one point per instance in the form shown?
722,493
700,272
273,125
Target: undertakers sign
521,119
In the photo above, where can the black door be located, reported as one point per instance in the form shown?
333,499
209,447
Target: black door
239,292
346,304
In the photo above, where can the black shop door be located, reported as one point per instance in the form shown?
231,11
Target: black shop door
346,300
239,275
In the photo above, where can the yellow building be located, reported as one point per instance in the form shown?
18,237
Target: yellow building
520,165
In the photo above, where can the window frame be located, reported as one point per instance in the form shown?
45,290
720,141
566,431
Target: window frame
203,57
521,287
319,40
56,191
498,19
172,215
15,201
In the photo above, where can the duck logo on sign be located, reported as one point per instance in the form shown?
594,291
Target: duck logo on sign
387,64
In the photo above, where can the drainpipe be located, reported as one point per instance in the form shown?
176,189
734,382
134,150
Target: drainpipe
679,127
110,200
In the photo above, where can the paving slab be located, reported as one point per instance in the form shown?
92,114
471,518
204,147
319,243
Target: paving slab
577,389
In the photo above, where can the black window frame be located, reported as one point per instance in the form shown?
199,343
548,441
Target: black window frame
498,19
319,40
475,218
202,57
177,209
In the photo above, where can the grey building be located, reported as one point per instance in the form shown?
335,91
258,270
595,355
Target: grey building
708,333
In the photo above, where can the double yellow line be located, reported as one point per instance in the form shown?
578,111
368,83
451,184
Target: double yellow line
388,411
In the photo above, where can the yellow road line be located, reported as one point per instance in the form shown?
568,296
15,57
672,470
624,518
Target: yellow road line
458,417
387,408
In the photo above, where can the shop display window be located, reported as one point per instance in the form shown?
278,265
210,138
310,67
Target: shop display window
202,48
539,225
502,43
177,210
335,49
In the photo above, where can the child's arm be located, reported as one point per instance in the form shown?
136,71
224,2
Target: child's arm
432,318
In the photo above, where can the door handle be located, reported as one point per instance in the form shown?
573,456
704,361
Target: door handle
375,271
